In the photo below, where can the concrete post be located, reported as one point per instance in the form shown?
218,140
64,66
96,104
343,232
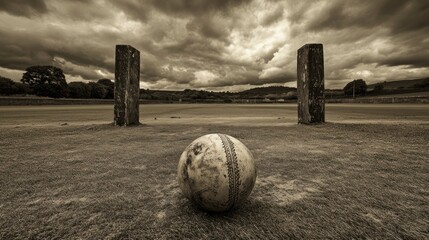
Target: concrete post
127,86
310,87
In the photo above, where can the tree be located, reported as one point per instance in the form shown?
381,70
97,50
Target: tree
227,100
79,90
355,88
378,87
291,95
23,88
97,90
46,81
110,87
7,86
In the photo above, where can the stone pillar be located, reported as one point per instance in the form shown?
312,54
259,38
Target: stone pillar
310,87
127,86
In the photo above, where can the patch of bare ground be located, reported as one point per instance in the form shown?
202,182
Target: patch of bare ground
335,180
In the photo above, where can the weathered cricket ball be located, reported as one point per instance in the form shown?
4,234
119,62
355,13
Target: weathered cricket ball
217,172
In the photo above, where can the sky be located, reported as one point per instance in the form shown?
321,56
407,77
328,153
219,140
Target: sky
219,45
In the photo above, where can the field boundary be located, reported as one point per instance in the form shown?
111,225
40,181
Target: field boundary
22,101
381,100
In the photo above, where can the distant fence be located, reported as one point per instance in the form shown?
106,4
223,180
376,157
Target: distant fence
5,101
381,100
20,101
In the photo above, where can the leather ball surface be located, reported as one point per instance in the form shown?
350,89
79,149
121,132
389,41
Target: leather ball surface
217,172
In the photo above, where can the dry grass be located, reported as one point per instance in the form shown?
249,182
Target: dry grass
343,179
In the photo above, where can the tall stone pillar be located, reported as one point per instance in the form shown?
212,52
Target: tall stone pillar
127,86
310,87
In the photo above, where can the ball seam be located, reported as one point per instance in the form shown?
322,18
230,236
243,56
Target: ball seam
233,170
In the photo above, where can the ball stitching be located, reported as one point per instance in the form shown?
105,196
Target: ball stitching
233,170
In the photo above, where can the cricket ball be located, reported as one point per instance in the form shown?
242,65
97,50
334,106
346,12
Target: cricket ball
216,172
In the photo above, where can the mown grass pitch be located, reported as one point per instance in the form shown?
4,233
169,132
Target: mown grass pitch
66,173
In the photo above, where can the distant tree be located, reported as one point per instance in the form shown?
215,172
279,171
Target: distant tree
23,88
378,87
291,95
355,88
194,95
203,94
272,96
7,86
79,90
153,96
144,96
46,81
227,100
110,87
424,84
97,90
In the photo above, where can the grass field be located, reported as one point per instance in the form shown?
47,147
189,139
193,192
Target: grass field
65,172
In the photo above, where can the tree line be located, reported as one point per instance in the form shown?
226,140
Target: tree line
50,81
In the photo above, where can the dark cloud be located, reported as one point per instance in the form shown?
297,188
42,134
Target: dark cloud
153,71
44,44
409,49
416,60
209,26
135,9
140,9
397,15
196,46
412,17
24,8
272,17
19,53
298,10
73,10
412,56
269,54
196,7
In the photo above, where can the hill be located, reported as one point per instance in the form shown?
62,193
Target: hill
402,84
268,90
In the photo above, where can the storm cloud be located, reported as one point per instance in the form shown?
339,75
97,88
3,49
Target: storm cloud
23,7
219,44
